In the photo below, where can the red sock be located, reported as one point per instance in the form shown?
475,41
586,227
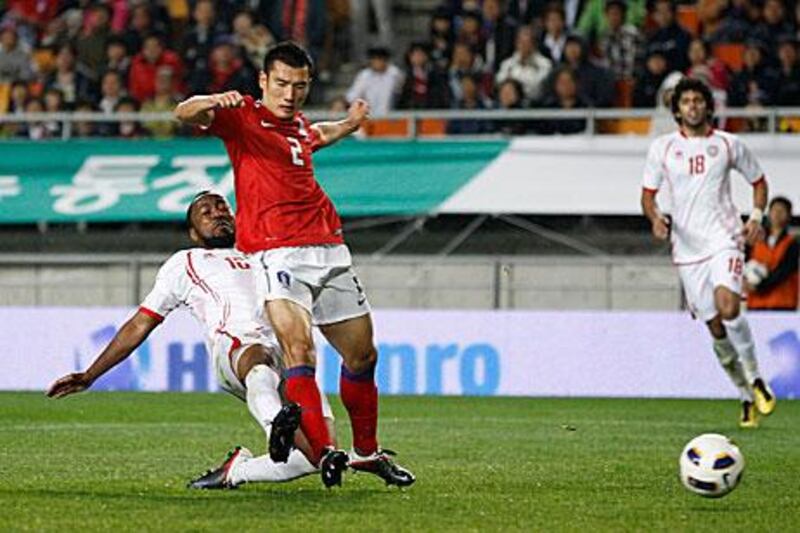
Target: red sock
360,398
301,388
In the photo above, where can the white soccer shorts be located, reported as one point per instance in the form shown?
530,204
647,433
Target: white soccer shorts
320,279
723,269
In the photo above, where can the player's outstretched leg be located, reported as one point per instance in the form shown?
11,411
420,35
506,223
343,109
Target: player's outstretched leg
741,338
241,467
729,361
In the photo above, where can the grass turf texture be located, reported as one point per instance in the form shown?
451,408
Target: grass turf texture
99,461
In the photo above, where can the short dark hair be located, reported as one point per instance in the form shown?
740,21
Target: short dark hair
290,53
782,200
690,84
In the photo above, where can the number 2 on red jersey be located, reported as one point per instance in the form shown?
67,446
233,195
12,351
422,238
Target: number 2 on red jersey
297,151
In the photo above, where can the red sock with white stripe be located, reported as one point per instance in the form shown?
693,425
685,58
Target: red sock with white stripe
301,388
360,398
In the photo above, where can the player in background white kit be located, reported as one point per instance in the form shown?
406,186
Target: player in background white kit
216,283
707,233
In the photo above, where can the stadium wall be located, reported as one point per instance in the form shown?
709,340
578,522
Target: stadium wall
492,353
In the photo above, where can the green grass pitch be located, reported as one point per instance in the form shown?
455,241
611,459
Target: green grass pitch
119,461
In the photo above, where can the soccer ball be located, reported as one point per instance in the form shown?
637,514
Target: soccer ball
711,465
755,272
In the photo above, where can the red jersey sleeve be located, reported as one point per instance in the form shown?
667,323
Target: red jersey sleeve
314,140
227,122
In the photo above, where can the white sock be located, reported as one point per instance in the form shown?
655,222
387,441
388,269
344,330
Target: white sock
262,468
263,399
729,361
742,339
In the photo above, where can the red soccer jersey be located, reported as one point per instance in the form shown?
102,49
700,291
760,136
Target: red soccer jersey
278,201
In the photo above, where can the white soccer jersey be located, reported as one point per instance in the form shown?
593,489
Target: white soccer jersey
697,172
219,288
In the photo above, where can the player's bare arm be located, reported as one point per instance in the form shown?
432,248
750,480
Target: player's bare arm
753,229
127,339
330,132
659,222
198,110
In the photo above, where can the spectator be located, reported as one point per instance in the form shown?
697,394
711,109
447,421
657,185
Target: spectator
19,95
593,25
717,25
555,36
129,129
648,83
111,92
117,58
669,38
441,37
379,84
463,63
142,80
525,12
253,39
141,25
595,84
34,130
72,83
84,129
470,32
564,95
778,256
359,15
788,92
197,43
472,100
739,20
338,105
755,84
163,101
498,35
425,87
91,45
225,72
701,60
526,65
53,103
15,62
622,45
773,26
509,97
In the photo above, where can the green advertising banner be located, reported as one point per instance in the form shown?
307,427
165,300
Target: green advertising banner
124,180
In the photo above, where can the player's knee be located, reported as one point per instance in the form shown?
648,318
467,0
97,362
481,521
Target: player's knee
729,310
301,352
716,328
362,361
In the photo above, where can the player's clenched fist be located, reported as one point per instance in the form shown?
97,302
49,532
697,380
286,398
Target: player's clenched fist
69,384
661,228
228,99
358,112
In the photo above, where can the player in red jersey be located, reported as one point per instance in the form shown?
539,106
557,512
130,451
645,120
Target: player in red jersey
290,229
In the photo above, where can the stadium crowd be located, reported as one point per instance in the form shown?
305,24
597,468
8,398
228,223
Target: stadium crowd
127,55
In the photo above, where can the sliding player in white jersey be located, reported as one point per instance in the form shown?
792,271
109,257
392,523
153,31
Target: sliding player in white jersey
216,283
707,231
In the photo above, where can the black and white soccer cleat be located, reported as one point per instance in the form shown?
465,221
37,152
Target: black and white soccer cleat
331,467
382,465
281,435
218,478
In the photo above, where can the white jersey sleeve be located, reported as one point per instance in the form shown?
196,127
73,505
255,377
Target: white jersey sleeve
743,160
169,289
654,166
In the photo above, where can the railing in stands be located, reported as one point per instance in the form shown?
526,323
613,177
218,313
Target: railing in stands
432,123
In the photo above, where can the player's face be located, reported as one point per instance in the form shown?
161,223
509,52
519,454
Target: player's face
212,222
692,107
284,89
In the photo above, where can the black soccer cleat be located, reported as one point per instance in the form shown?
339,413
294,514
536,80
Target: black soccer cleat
218,477
281,435
381,464
333,463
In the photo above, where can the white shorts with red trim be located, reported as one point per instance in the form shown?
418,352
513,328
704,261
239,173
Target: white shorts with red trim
699,280
320,279
226,351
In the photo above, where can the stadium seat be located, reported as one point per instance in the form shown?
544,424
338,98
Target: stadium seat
44,59
624,93
637,126
387,128
688,19
432,127
730,54
5,97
